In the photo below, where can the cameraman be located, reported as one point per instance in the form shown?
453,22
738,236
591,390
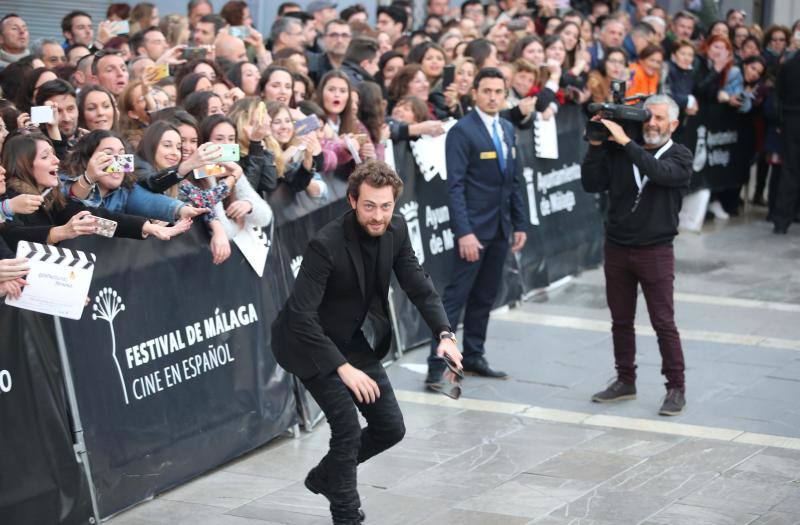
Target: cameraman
645,184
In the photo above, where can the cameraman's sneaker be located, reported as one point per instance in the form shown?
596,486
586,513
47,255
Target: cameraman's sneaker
673,403
616,391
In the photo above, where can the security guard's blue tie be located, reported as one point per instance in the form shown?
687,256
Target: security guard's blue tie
499,147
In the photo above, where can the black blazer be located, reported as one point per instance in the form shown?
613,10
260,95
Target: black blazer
325,307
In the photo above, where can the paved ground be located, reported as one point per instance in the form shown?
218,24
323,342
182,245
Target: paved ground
533,449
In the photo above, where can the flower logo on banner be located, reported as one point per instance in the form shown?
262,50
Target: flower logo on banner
106,306
295,265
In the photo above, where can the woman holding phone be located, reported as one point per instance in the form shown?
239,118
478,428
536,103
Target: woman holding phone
299,158
162,147
86,177
252,123
32,168
244,206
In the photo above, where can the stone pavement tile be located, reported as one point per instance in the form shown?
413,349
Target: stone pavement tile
438,447
467,517
775,357
288,461
771,464
682,469
295,498
582,465
161,512
562,520
771,388
741,495
791,370
515,391
680,514
620,507
225,489
385,471
474,472
491,425
631,443
528,495
390,508
293,505
555,437
418,416
777,518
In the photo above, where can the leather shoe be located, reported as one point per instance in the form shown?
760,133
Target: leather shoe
317,486
480,367
434,379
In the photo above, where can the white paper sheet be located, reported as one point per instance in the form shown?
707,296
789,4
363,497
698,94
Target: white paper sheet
545,137
254,245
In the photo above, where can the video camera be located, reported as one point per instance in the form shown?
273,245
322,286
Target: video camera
630,117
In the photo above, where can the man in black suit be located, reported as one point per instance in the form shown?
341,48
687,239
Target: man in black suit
340,299
486,210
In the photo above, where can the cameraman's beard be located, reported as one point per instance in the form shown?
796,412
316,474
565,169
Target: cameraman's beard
653,138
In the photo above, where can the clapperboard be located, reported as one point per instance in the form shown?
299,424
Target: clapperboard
58,281
254,243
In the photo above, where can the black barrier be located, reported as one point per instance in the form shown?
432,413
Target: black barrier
565,233
172,366
40,478
723,142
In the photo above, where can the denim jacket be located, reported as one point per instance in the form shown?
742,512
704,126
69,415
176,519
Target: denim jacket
133,201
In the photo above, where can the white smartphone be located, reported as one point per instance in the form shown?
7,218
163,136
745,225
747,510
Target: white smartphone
42,115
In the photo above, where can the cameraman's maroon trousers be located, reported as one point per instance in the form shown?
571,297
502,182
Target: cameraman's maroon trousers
654,268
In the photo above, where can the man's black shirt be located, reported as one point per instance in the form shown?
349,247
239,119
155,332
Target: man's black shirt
654,219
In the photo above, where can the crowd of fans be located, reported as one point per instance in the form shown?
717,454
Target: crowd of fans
172,89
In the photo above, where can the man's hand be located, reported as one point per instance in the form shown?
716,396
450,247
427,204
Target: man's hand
448,347
469,247
519,241
363,386
617,133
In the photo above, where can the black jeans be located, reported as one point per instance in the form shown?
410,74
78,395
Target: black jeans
788,196
349,443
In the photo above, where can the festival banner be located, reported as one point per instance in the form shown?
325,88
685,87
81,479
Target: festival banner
171,363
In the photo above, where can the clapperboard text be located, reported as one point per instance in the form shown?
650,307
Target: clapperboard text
59,256
58,281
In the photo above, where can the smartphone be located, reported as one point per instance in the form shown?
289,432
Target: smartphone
105,227
120,27
229,153
518,24
194,53
307,125
156,72
448,76
42,115
239,31
121,164
212,170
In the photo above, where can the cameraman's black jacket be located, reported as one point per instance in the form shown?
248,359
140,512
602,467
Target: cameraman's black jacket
654,220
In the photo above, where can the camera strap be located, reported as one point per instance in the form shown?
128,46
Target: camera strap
641,182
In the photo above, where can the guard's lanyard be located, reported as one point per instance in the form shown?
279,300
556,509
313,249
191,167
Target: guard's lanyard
642,182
